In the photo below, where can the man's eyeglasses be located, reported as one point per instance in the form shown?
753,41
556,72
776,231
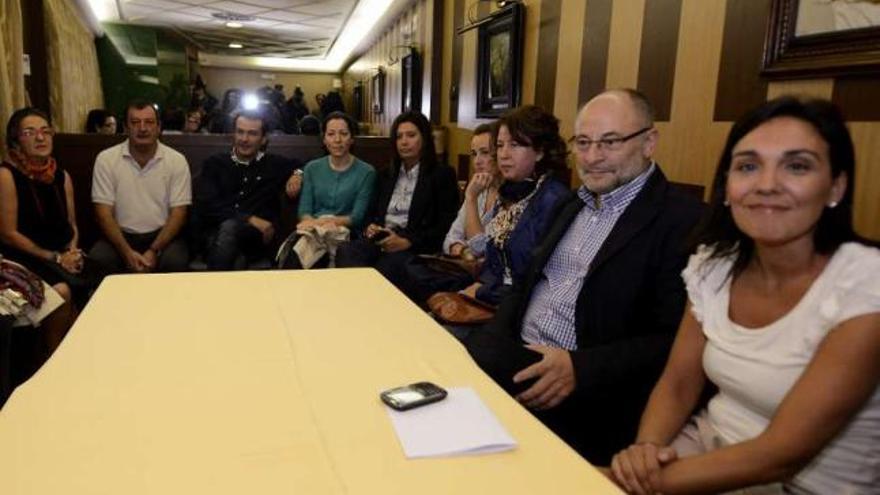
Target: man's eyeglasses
583,143
30,132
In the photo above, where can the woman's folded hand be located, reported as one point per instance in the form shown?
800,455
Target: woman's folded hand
637,468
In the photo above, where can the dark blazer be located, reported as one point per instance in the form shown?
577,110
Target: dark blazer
628,310
434,205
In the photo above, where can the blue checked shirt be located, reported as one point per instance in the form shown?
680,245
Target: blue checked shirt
549,319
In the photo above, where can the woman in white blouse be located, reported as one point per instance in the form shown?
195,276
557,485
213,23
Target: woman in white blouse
467,237
783,316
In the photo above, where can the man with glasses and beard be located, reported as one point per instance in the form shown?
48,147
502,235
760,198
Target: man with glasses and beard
583,339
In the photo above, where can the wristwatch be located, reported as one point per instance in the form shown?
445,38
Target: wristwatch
57,257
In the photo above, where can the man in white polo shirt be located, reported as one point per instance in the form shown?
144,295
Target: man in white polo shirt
141,190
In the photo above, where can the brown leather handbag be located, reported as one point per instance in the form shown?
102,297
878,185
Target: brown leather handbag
459,309
452,265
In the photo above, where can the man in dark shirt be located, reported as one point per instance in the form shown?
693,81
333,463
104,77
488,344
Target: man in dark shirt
238,194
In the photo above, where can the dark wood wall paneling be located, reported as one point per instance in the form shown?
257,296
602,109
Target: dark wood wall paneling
740,85
457,54
463,167
424,77
34,34
858,97
658,54
436,60
594,49
548,53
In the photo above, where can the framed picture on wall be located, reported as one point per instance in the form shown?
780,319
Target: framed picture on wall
499,62
807,38
411,82
377,92
357,101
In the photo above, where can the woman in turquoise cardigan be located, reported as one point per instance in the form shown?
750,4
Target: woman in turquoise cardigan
337,188
336,191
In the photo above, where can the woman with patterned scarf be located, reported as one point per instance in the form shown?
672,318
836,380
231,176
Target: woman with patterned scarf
37,218
528,149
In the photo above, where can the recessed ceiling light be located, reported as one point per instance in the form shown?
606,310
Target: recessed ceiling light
234,25
235,45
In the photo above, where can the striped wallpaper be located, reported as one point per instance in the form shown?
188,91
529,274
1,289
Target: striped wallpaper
698,61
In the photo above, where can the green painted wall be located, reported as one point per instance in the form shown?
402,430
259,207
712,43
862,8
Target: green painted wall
173,73
142,62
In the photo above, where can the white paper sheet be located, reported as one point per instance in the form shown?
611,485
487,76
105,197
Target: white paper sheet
460,424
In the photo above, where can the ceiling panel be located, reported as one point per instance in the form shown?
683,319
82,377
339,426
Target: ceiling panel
277,4
324,8
133,12
324,22
154,4
285,15
179,18
203,11
307,30
297,28
265,23
237,7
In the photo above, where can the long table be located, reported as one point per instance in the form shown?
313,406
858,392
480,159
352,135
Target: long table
257,382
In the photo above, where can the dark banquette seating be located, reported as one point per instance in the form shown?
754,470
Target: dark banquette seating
76,153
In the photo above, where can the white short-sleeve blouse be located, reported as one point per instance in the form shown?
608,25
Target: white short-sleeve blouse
754,368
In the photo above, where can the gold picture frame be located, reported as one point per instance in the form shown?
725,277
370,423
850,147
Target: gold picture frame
796,46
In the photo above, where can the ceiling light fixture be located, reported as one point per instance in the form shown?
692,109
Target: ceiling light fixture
235,45
233,25
365,16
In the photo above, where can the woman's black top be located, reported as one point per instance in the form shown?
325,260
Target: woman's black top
42,210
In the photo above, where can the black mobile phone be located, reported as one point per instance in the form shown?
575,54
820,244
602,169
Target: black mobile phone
413,395
379,235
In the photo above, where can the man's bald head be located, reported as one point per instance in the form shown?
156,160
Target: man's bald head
614,139
638,104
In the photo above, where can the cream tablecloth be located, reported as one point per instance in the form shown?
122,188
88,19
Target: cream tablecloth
257,383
